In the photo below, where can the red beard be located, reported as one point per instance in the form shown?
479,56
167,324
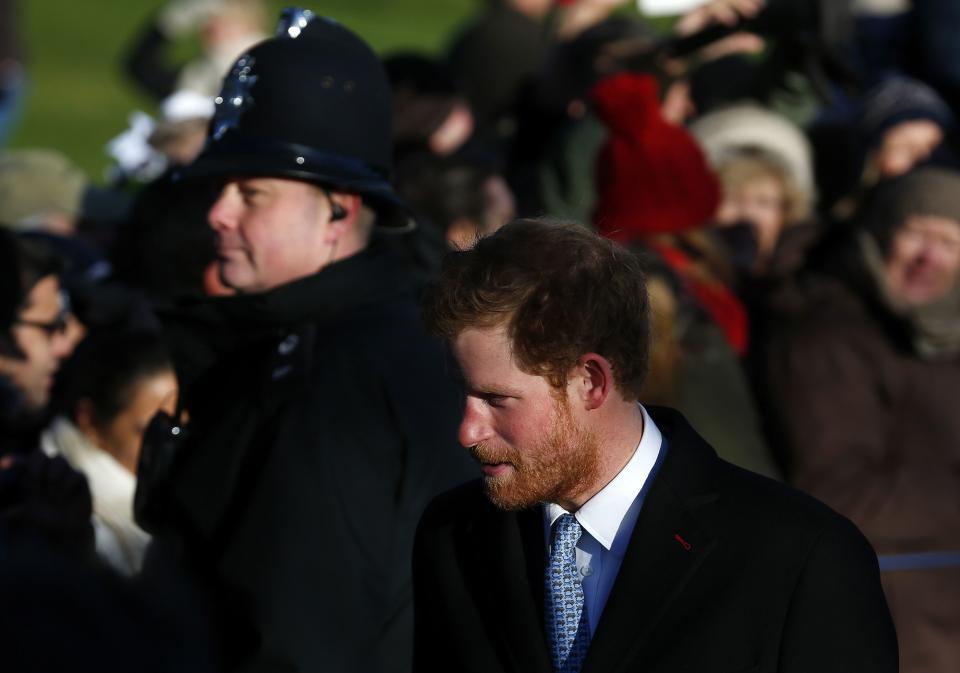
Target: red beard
557,468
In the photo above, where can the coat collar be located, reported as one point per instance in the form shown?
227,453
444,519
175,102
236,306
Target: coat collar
201,331
670,543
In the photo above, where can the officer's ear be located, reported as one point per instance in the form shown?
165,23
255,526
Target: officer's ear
346,213
592,381
337,212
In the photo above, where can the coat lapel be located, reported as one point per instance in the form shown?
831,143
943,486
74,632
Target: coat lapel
507,555
668,546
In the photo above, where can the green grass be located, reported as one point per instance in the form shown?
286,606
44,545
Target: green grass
79,97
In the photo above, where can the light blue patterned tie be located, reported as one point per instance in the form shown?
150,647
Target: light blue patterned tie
568,632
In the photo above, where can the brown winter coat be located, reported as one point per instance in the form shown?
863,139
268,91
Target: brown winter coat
874,431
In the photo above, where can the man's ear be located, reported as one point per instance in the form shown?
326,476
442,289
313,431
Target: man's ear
593,378
84,420
344,206
346,216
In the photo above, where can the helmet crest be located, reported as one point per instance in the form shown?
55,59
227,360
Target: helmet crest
234,97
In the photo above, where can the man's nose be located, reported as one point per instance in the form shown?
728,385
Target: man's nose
223,213
474,428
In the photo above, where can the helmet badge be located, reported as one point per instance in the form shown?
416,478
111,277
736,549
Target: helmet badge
234,97
293,20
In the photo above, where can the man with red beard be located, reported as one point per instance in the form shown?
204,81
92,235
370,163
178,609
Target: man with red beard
605,536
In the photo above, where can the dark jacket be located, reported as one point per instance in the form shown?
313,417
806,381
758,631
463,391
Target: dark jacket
726,571
321,423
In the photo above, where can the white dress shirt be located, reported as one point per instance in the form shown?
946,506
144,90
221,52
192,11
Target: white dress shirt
608,519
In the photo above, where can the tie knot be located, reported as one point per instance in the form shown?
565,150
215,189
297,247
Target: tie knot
566,532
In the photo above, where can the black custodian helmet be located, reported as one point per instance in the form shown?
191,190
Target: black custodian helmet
312,103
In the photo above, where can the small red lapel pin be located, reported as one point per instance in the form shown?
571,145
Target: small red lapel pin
683,543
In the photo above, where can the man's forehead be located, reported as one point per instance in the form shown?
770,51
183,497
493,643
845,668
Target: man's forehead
486,384
485,361
491,343
946,226
269,181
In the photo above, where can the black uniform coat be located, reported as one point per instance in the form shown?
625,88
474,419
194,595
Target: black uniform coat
322,421
726,572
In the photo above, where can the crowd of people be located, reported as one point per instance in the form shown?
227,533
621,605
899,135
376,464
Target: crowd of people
222,414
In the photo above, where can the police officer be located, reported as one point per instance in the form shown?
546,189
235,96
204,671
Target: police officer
321,417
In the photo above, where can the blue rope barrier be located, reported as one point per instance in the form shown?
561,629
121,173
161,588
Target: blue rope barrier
927,561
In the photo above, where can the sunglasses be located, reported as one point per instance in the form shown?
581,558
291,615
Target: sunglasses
57,326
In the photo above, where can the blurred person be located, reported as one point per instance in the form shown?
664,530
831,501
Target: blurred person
765,166
656,191
862,368
429,111
604,534
149,147
457,197
182,130
899,124
94,297
513,38
320,415
62,609
765,220
43,190
226,28
561,129
115,384
791,55
653,183
563,126
34,340
758,192
509,38
44,504
904,122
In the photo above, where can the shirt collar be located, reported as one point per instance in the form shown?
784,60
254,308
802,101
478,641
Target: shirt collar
602,514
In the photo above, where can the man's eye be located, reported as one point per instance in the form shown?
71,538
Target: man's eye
495,400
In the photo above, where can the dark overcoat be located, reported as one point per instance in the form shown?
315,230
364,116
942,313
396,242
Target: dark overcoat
322,421
725,572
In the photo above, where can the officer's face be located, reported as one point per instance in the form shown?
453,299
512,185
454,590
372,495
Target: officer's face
271,231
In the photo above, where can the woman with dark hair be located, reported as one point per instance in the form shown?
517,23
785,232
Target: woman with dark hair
112,387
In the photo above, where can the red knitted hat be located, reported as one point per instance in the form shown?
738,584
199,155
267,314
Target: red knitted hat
652,177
